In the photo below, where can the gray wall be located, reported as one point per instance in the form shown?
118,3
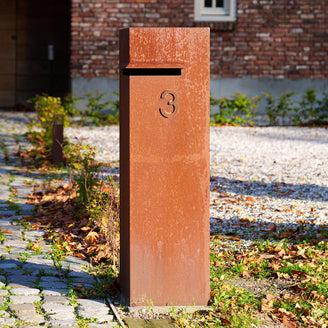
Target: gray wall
81,86
219,87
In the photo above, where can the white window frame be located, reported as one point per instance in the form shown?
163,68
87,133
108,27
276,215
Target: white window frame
206,14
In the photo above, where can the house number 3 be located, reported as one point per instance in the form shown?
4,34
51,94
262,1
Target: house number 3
168,104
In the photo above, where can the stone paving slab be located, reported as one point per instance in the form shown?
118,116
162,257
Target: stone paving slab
57,285
55,292
3,292
23,299
62,324
5,265
7,322
22,308
59,299
102,325
25,291
33,318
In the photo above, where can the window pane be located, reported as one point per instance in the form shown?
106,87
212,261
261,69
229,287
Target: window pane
208,3
219,3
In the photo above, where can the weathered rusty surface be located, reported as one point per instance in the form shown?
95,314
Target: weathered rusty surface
58,136
164,163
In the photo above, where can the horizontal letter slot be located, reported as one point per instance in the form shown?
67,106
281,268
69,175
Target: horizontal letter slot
151,71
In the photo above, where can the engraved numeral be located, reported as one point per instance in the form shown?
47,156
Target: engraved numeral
168,107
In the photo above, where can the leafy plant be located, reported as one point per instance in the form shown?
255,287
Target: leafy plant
84,168
35,247
14,207
278,109
58,251
102,111
312,110
23,256
69,102
237,110
2,237
46,108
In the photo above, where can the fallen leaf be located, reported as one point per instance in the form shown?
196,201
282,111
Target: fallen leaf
298,273
245,274
248,219
225,321
267,303
288,323
286,235
91,237
288,296
234,238
85,229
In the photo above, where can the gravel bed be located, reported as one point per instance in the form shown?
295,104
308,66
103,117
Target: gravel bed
264,180
104,139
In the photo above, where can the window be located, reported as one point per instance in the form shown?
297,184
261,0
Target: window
215,10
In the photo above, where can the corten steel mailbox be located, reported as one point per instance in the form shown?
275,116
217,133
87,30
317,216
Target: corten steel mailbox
164,163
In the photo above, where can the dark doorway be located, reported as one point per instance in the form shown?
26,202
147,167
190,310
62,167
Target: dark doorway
34,49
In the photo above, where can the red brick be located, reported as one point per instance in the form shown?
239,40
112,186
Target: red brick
275,54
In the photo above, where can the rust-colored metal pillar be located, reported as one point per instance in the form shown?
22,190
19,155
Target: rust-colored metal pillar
164,163
57,139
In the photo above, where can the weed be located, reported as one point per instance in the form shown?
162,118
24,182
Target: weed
2,237
23,256
15,207
312,110
101,111
8,248
58,251
38,307
237,110
278,109
84,168
73,298
35,247
83,322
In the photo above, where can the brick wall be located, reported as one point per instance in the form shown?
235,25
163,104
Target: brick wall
271,38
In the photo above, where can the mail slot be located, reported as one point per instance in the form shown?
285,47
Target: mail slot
164,166
151,71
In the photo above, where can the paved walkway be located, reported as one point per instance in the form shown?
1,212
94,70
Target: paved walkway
33,291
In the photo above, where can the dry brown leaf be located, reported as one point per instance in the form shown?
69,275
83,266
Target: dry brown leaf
248,219
5,231
286,235
234,238
245,274
267,303
91,237
85,229
288,296
226,322
298,273
288,323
